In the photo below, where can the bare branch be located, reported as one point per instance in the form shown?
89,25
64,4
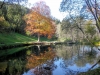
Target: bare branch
2,4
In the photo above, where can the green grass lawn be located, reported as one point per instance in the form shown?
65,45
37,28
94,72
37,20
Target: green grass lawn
12,37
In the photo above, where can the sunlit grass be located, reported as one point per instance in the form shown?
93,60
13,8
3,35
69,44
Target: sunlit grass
18,38
15,38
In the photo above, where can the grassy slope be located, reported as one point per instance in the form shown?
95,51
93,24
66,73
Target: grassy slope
7,38
14,38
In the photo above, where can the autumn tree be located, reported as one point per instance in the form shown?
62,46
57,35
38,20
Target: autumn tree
39,22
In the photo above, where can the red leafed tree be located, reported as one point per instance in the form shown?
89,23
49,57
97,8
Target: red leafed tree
38,21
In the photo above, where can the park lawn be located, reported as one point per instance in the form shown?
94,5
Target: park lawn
12,37
15,38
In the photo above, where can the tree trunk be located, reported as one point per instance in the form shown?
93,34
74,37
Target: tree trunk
38,37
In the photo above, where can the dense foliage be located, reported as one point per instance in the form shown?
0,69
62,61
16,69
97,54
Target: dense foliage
11,17
39,22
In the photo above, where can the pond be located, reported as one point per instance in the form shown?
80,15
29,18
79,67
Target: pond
50,60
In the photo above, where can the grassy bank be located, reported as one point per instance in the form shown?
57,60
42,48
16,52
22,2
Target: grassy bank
7,38
14,38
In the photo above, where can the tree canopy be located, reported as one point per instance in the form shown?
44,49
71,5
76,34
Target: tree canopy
82,7
11,17
42,8
39,22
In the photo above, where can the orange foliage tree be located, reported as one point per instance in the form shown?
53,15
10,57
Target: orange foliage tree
39,22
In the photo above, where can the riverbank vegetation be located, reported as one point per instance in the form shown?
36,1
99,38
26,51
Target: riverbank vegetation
12,37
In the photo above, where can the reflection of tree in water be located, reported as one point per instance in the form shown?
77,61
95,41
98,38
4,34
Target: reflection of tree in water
67,53
45,69
64,51
46,58
89,55
76,55
86,55
14,67
71,72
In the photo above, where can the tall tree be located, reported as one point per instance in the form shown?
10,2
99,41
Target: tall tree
94,8
78,5
38,21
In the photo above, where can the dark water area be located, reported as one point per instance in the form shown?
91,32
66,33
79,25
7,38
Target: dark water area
50,60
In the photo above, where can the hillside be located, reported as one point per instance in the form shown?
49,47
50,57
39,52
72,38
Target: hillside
14,38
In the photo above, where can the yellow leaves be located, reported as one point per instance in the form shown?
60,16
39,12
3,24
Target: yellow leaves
2,18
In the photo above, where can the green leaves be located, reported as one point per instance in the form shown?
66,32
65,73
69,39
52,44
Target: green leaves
90,29
13,17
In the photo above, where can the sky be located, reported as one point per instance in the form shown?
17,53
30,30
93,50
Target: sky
54,6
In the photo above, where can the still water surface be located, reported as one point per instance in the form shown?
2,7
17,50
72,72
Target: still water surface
50,60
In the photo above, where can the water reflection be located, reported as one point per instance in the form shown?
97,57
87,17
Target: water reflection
12,67
34,60
77,58
50,60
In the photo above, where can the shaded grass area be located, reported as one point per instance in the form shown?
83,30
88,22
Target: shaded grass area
10,38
